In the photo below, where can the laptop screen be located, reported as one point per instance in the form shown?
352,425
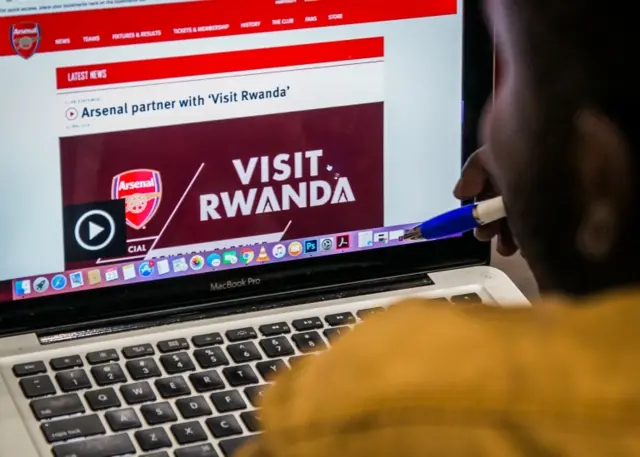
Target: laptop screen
158,140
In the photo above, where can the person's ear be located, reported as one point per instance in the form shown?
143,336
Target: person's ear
603,161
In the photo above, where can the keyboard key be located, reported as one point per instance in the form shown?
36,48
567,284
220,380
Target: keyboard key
152,439
310,323
76,427
252,420
224,426
138,392
175,386
143,368
368,312
158,413
177,363
201,450
210,357
240,375
102,399
335,332
309,342
206,381
156,454
277,347
37,386
178,344
65,363
189,432
279,328
241,334
105,446
123,419
108,374
210,339
336,320
140,350
73,380
271,368
61,405
98,357
244,352
255,393
193,407
231,446
466,299
29,368
229,400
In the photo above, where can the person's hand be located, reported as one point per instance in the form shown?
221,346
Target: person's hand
476,183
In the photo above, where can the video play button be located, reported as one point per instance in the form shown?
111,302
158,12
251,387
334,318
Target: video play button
89,227
94,230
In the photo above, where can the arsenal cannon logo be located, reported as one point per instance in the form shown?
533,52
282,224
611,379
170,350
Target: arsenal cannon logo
141,190
25,38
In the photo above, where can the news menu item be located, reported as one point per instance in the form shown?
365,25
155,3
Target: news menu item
232,182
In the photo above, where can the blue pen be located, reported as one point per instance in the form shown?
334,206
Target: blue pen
459,220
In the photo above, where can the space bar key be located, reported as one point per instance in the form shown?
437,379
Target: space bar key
106,446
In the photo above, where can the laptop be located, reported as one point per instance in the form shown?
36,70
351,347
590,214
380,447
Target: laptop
197,196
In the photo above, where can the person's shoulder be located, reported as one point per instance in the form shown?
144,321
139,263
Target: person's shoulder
418,356
425,334
436,327
427,343
428,376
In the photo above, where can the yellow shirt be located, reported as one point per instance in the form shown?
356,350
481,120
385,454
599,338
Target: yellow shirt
424,379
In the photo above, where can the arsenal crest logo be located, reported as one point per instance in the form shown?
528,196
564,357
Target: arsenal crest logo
25,38
141,190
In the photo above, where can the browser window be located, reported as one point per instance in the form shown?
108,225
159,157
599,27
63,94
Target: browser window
163,130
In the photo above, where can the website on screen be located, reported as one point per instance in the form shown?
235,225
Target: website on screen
159,133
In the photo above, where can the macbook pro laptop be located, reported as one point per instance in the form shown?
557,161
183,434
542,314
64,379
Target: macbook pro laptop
197,196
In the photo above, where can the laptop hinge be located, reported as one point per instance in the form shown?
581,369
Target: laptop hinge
239,306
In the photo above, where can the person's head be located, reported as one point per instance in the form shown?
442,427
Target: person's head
563,140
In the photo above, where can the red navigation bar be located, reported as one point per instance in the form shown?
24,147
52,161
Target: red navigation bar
224,62
181,21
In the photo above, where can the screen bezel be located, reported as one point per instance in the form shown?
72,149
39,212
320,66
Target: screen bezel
170,295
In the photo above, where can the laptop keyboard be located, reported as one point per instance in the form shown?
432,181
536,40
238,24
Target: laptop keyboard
181,397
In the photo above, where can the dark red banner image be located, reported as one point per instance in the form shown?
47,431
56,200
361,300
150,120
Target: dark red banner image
310,173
